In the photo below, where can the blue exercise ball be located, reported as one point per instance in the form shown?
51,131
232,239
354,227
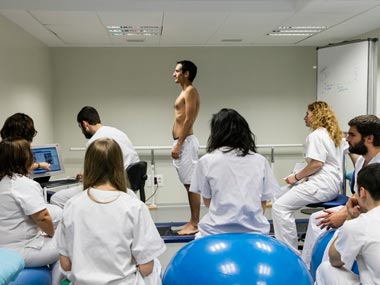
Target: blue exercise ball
236,258
33,276
318,251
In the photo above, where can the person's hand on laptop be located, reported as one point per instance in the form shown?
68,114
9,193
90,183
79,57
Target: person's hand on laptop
45,165
79,177
41,165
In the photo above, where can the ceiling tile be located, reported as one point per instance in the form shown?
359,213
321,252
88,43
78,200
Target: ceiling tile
191,22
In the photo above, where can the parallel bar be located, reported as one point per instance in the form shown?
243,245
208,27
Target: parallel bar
201,147
153,165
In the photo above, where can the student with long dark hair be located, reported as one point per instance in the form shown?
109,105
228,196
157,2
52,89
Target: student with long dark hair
233,179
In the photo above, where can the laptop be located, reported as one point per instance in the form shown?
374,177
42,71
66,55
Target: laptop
50,153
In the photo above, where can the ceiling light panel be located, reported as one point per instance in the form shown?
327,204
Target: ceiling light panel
297,31
134,30
132,27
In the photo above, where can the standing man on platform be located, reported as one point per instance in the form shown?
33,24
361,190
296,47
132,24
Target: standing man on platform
186,145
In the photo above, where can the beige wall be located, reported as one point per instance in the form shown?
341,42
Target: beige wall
133,90
25,79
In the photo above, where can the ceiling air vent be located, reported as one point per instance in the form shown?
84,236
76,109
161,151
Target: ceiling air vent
231,40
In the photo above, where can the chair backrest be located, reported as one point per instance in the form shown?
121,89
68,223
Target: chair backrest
136,173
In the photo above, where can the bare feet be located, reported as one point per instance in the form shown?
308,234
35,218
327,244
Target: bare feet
188,229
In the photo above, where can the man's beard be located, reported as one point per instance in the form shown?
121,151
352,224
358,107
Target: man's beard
87,135
359,148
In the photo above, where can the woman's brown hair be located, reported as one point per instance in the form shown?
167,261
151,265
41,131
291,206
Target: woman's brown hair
103,162
15,157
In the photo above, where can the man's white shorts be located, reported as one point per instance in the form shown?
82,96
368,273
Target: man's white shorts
188,158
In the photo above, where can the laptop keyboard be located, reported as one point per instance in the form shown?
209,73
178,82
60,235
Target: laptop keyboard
57,183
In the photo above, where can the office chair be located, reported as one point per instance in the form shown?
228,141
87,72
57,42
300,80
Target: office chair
136,173
340,200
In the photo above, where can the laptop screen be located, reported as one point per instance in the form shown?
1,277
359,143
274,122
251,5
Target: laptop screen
47,153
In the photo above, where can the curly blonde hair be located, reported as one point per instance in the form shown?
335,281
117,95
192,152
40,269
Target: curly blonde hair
324,117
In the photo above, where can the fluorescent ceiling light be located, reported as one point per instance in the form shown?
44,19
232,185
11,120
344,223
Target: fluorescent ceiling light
297,30
289,34
302,27
134,30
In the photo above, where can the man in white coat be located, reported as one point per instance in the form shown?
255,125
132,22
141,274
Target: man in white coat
89,122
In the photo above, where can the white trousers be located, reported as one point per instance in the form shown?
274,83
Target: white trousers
292,199
330,275
312,234
47,254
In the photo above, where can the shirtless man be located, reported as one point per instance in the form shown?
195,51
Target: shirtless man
185,146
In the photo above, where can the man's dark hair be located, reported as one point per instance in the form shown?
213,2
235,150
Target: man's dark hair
369,179
367,125
89,114
189,66
229,129
18,125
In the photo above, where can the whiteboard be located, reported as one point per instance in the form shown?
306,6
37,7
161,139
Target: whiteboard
345,78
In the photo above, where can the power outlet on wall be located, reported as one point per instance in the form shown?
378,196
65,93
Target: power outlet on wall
158,180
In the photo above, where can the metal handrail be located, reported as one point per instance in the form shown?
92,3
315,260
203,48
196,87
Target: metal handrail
153,148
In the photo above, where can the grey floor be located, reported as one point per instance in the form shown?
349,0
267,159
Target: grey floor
181,213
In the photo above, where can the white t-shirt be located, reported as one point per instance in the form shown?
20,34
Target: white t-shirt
129,153
106,241
319,146
236,186
359,239
20,197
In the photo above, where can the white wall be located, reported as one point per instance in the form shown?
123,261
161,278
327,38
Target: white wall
133,90
375,34
25,79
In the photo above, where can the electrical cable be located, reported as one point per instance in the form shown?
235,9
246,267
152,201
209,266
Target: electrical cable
154,193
